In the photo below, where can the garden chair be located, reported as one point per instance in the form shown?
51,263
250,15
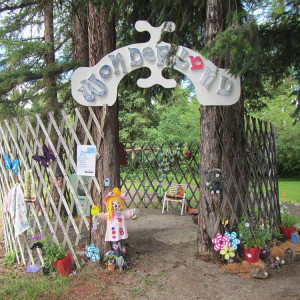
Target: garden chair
176,193
80,192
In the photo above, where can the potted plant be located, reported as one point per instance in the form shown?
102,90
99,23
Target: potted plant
253,237
54,255
110,260
288,223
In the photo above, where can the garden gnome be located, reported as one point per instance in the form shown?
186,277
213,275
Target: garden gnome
116,231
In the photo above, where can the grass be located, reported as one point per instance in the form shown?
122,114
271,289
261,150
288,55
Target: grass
31,286
289,190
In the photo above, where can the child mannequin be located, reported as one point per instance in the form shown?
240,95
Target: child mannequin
116,231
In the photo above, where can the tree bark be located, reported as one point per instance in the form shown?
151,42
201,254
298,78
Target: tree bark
80,54
49,56
102,41
216,150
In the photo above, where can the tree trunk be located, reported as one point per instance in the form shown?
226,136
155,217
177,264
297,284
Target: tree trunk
49,79
101,33
221,140
81,55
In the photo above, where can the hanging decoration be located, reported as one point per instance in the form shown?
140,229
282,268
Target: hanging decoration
92,252
11,165
95,210
29,193
44,160
214,183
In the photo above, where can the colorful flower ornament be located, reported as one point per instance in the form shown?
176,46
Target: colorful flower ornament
92,252
220,241
95,210
227,252
233,240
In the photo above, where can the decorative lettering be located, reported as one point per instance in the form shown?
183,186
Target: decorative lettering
148,54
162,52
181,62
207,77
116,60
197,62
104,71
133,53
225,82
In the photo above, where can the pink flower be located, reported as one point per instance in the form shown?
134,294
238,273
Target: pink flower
219,241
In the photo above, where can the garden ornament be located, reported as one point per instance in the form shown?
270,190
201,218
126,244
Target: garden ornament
233,240
11,165
92,252
32,268
214,183
44,160
116,231
220,241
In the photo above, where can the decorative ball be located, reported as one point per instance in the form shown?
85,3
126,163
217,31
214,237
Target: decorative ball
264,252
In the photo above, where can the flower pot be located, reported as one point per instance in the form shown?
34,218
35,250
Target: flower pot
251,255
111,267
63,266
287,231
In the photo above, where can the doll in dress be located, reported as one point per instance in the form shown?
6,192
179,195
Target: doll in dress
116,231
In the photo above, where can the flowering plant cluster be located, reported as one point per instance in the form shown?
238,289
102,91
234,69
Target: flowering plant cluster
51,250
109,257
253,235
226,244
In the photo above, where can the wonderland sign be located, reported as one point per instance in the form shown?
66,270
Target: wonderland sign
97,85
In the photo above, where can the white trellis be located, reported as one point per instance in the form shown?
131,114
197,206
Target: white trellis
56,197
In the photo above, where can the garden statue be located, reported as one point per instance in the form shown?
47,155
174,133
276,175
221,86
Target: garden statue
116,231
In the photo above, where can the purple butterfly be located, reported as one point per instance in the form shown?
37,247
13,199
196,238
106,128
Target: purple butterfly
44,159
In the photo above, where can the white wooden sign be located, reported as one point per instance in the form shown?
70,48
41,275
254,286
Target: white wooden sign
97,85
86,160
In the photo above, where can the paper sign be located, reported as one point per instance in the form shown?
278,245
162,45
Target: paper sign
86,160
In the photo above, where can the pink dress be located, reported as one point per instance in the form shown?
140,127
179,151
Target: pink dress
116,228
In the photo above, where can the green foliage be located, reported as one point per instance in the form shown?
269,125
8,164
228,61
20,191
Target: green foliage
253,235
279,111
9,258
51,250
288,220
291,189
30,286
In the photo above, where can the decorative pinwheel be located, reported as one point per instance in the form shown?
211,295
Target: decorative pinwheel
227,252
220,241
92,252
233,240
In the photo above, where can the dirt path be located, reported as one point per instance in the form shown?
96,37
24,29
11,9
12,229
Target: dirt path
165,265
163,256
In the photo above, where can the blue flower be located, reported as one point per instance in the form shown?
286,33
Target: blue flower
233,240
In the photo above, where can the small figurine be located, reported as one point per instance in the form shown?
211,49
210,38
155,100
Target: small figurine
116,231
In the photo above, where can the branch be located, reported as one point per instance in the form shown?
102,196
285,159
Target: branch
22,5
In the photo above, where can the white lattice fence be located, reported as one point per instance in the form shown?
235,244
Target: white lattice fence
56,196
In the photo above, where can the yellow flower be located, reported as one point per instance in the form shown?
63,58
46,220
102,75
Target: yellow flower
227,252
116,192
95,210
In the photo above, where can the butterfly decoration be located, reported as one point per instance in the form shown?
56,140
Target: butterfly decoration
44,160
225,222
11,165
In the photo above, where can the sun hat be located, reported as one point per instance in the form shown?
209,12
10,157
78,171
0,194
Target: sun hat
114,193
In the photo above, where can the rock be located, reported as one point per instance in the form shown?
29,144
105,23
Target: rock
259,274
288,256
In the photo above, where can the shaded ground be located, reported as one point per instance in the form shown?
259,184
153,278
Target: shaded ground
162,250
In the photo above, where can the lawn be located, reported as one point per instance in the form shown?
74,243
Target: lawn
289,190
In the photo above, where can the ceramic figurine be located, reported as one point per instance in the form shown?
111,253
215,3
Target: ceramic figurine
116,231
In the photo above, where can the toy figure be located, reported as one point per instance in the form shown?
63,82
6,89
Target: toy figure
116,231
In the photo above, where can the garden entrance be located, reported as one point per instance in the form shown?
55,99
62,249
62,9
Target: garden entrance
59,206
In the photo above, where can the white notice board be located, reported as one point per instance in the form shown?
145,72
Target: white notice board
86,160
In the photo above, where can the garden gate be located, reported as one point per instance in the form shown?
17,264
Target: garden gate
149,172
